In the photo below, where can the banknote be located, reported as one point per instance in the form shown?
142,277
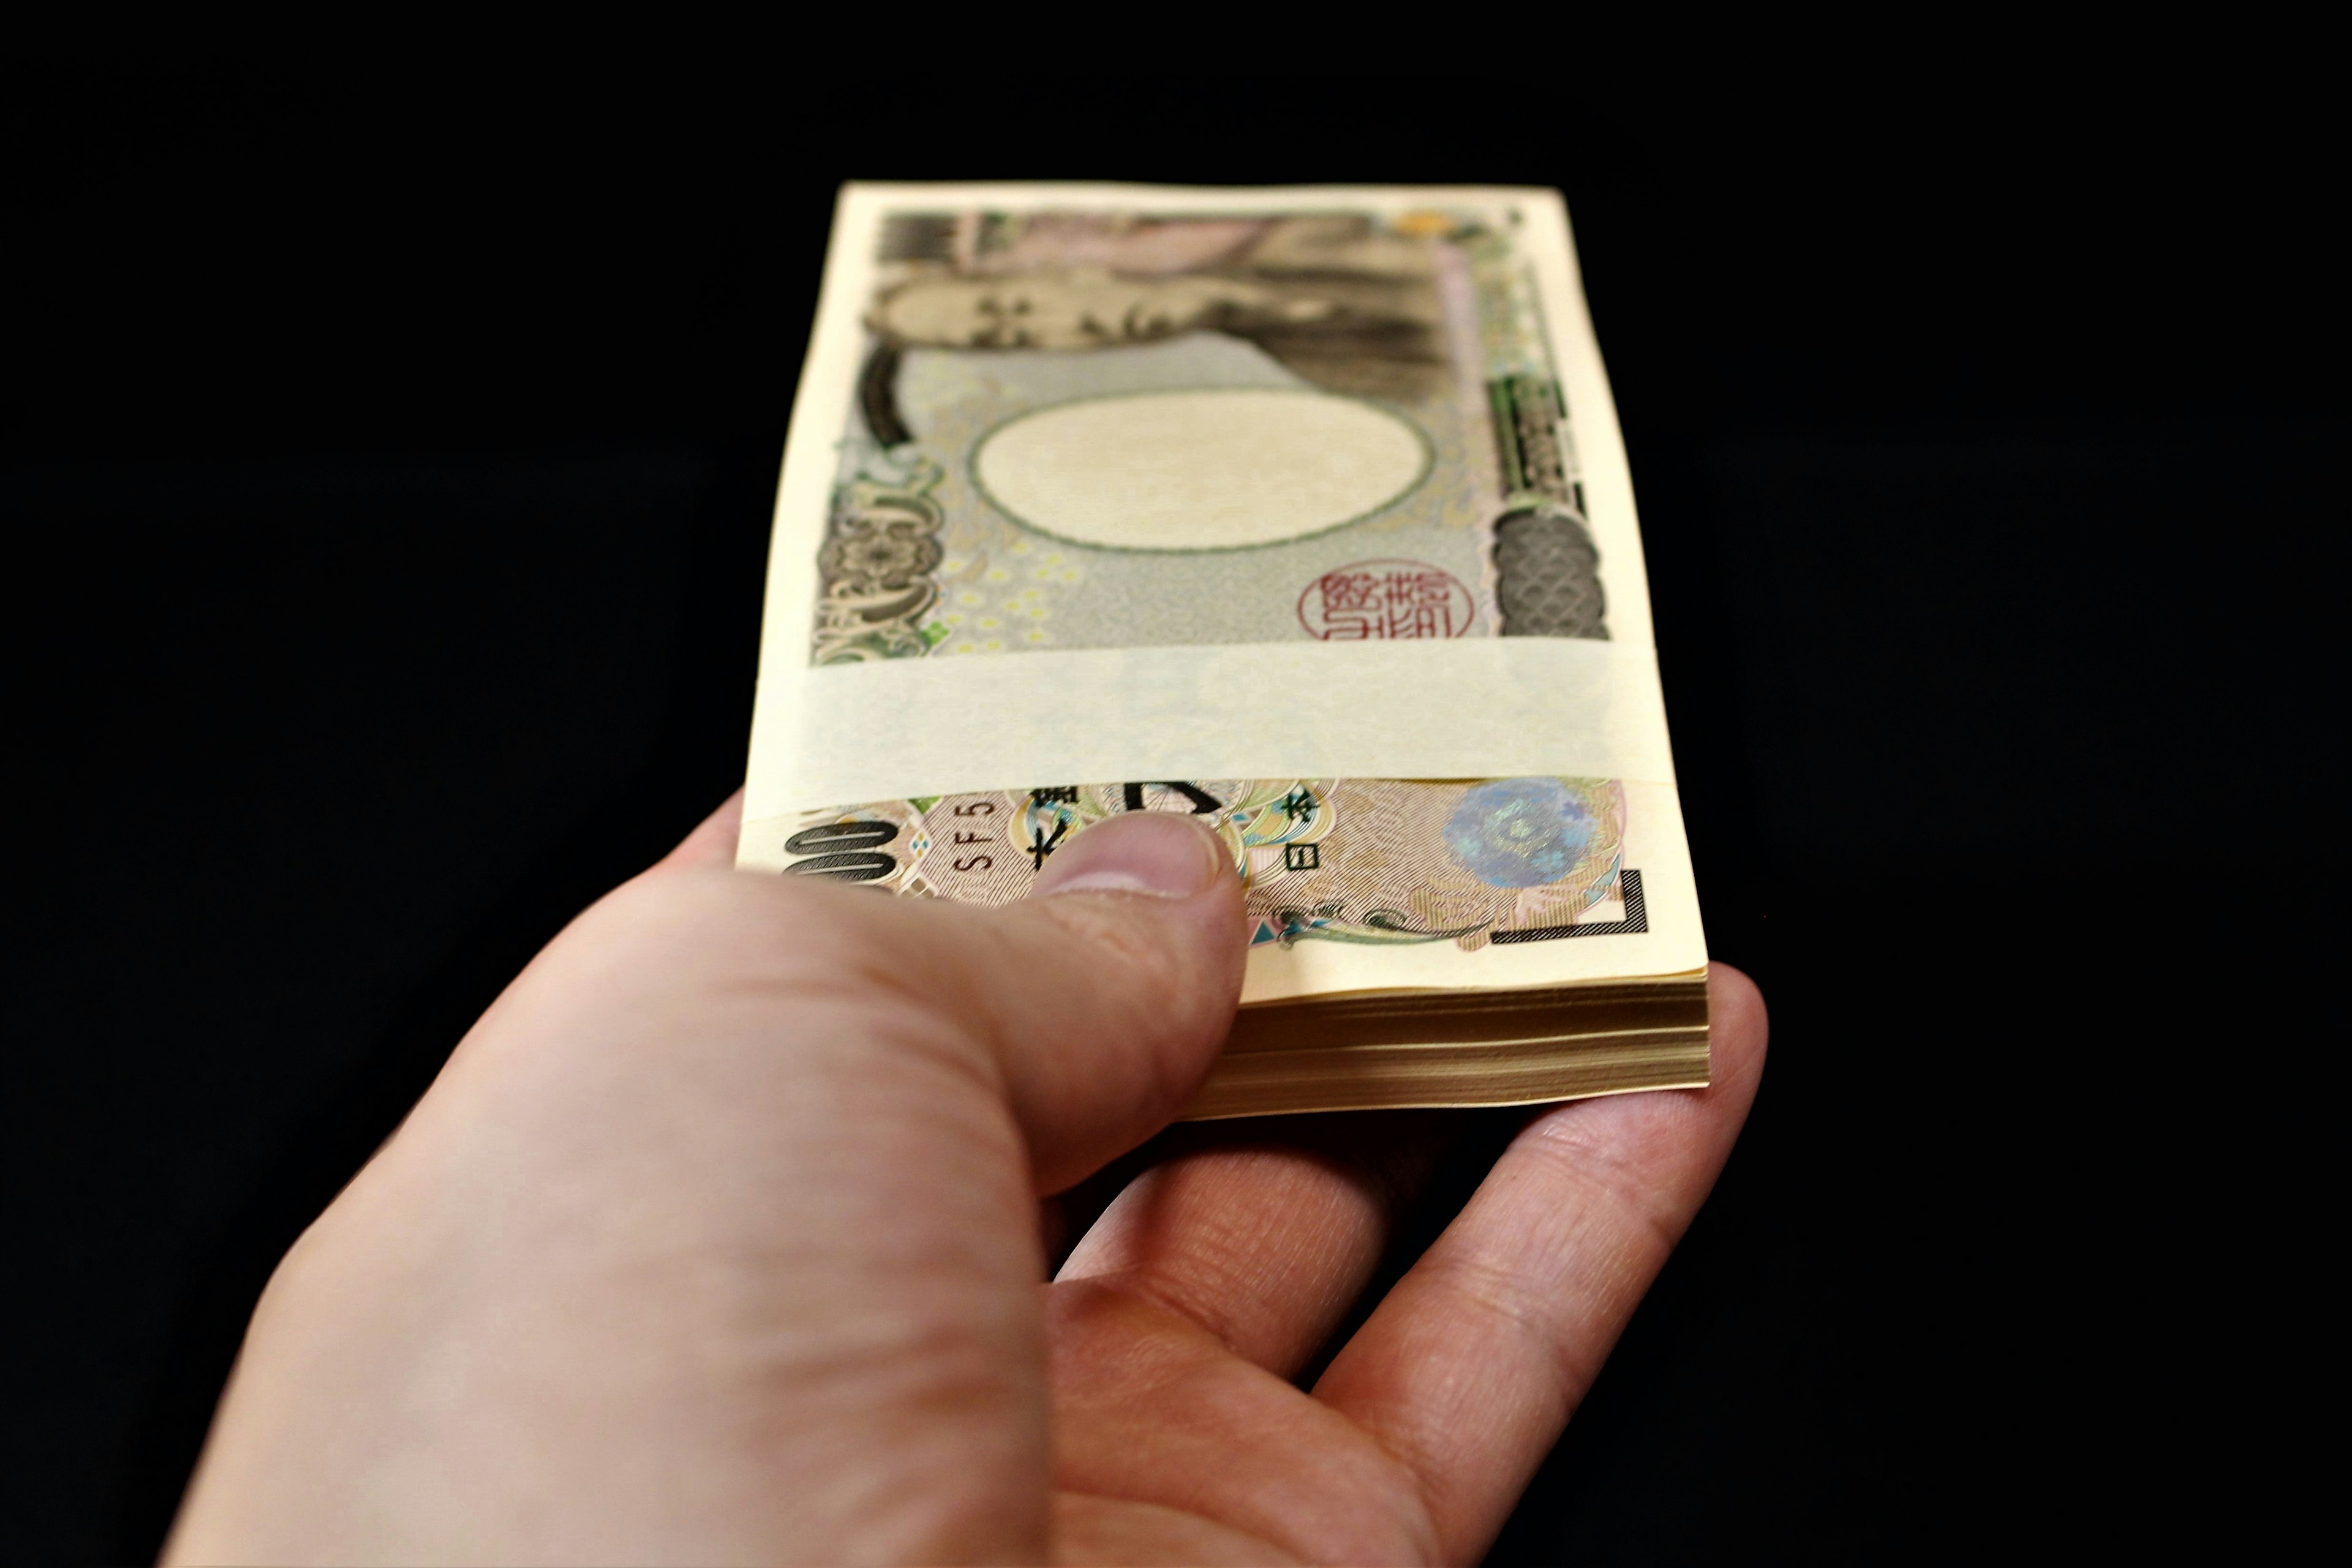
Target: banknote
1147,429
1374,862
1237,439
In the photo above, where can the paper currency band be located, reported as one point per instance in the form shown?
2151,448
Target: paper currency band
1474,708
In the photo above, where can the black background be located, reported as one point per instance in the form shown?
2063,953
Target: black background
386,463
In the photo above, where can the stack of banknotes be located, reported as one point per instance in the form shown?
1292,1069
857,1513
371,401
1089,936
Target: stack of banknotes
1303,512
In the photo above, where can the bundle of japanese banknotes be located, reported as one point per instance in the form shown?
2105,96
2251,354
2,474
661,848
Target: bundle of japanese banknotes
1303,512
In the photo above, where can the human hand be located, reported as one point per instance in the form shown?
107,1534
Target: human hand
718,1240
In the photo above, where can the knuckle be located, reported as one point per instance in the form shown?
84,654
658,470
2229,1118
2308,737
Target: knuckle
1622,1181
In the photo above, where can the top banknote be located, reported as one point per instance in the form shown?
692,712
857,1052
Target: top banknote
1128,487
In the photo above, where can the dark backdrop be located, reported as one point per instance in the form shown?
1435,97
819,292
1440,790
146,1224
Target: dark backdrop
386,465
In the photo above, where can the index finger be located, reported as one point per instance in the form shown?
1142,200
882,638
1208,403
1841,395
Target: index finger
1469,1370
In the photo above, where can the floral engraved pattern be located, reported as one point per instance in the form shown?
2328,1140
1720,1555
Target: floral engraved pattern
869,555
877,570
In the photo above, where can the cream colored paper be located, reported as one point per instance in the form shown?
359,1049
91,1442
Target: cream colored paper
1466,708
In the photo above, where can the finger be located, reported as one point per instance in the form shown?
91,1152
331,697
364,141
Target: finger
1092,1008
1470,1368
1151,1411
1107,994
712,843
1264,1241
1104,1530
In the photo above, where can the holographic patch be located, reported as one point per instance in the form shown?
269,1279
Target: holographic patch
1519,833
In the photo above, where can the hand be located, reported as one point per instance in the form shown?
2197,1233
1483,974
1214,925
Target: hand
718,1240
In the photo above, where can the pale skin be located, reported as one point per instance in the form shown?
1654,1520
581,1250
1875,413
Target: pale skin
718,1240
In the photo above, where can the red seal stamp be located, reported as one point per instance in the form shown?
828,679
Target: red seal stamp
1372,599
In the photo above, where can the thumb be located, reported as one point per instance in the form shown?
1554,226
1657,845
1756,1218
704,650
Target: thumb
1105,994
